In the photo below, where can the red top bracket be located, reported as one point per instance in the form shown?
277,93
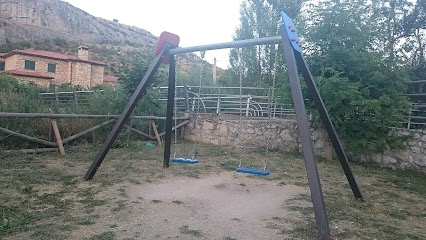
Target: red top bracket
166,37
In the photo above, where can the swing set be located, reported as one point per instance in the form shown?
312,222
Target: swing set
192,160
166,50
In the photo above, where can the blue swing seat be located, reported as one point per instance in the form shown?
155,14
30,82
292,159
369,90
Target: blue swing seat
184,160
253,171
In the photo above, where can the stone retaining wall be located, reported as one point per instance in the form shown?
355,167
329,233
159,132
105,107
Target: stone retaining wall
224,130
413,157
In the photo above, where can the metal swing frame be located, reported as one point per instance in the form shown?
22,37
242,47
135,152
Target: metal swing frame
294,59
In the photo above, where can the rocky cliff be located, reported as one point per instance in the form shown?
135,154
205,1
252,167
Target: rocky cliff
38,20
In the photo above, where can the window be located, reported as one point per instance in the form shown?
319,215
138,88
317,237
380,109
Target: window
29,64
1,66
51,67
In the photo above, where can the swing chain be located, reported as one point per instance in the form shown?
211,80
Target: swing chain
240,51
197,118
175,109
268,134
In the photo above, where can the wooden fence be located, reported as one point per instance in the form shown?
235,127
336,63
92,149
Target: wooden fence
59,143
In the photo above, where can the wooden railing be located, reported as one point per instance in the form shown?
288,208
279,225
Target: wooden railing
59,143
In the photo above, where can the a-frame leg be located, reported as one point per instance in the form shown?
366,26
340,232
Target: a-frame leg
170,105
313,90
125,115
305,137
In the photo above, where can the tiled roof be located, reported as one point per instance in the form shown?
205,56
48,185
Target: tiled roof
110,78
52,55
2,54
29,74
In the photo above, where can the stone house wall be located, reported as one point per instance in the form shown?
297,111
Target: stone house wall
97,75
84,74
41,82
17,62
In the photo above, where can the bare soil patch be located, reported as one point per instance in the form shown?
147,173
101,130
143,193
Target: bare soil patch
218,206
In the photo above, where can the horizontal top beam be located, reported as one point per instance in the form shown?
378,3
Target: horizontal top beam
234,44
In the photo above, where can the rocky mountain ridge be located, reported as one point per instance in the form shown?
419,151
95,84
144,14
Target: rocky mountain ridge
39,20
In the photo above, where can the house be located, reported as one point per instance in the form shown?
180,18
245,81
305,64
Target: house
48,69
110,80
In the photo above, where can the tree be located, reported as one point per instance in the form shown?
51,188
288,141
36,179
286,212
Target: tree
259,19
360,83
414,25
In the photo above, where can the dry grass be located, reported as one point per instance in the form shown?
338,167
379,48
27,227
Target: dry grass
44,197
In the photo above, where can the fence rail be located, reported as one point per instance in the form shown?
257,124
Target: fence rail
416,92
67,98
108,119
254,102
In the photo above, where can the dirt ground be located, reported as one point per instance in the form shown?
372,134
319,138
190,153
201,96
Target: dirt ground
225,205
133,197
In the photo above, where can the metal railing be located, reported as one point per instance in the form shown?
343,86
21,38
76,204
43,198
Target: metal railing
254,102
67,98
416,93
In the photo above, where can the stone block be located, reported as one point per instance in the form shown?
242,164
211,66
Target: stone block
250,130
420,162
223,129
208,126
389,160
286,135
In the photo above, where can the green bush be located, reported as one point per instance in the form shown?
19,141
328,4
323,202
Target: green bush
17,96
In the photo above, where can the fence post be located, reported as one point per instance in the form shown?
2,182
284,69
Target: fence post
56,97
248,105
409,117
275,109
269,103
193,105
58,136
157,136
74,92
218,104
185,91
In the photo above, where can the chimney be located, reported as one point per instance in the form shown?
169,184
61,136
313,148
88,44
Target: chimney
214,71
83,52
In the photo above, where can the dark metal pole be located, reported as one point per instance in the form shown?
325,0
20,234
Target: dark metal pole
334,138
169,117
125,115
305,137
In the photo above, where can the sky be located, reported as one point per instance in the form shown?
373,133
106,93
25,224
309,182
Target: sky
197,22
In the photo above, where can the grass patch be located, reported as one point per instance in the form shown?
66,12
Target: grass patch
230,165
69,180
186,230
229,238
88,220
119,205
109,235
